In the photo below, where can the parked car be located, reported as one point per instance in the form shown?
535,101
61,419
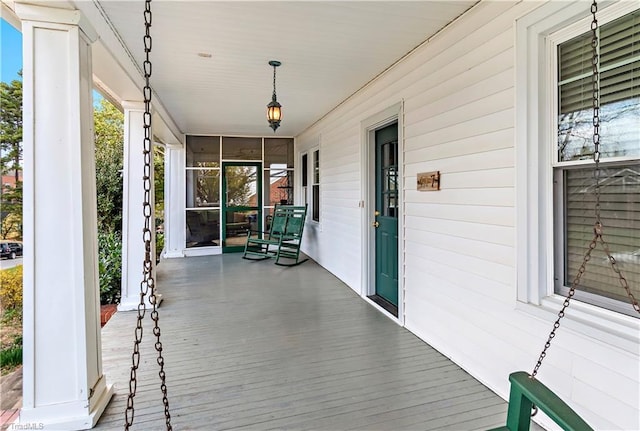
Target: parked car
10,249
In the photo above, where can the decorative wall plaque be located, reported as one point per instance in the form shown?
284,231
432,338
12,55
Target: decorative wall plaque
428,181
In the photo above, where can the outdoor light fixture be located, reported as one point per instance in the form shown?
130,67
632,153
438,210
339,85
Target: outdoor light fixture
274,111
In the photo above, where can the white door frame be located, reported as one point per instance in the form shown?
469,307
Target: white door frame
367,159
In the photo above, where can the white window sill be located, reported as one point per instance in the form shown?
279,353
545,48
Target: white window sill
611,328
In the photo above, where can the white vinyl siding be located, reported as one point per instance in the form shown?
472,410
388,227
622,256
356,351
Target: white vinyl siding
459,244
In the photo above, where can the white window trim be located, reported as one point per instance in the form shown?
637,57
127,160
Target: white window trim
535,77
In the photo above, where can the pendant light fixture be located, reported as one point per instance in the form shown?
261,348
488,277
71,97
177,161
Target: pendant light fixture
274,111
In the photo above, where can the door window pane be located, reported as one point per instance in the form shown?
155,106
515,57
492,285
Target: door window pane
238,223
241,183
241,148
389,153
390,179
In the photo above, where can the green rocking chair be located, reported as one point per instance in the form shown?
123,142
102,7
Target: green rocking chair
283,240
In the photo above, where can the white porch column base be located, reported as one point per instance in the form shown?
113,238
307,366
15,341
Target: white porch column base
173,254
133,251
63,384
133,301
74,415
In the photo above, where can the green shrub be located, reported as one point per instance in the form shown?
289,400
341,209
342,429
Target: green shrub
110,267
159,245
11,357
11,288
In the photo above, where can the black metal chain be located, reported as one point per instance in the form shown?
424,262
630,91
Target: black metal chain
595,103
147,286
274,83
598,227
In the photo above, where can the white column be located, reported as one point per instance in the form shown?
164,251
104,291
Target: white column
133,251
63,384
174,201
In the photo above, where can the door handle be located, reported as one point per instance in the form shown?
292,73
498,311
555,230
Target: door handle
375,224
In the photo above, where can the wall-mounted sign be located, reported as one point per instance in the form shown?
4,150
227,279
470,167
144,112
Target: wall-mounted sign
428,181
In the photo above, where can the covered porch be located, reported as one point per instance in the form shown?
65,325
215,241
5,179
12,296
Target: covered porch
257,346
477,266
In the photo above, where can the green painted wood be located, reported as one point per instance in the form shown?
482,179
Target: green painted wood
291,239
283,240
387,201
228,209
527,392
262,245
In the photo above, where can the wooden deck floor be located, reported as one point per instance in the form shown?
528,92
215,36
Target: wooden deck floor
251,345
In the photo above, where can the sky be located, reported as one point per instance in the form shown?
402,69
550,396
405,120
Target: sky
11,56
10,52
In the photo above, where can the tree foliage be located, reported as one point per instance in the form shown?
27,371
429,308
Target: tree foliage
158,180
11,127
109,136
11,226
239,180
11,157
110,267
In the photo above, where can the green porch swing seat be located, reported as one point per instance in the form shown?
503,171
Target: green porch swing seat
283,240
527,392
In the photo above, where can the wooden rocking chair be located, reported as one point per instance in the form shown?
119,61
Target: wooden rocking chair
283,239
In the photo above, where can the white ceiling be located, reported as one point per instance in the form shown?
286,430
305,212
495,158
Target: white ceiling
328,51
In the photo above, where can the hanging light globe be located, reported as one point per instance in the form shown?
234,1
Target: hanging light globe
274,109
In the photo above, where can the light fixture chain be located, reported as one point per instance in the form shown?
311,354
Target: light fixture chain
274,82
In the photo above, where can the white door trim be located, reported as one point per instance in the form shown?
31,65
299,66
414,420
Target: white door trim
367,159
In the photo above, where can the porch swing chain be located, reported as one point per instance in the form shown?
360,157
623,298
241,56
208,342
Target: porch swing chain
597,229
147,286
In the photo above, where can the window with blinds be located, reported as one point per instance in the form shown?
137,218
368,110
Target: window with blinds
619,58
620,214
619,63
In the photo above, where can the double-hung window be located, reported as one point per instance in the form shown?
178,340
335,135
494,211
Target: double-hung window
305,177
315,187
573,166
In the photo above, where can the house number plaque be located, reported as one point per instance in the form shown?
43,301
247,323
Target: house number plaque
428,181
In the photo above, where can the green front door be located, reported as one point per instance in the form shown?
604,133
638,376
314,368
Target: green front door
386,213
241,203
